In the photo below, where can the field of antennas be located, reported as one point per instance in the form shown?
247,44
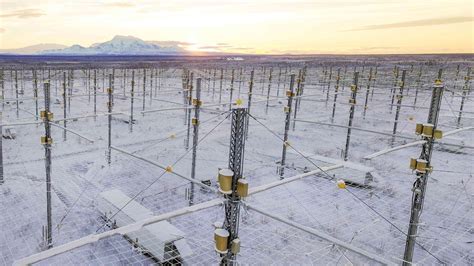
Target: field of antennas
239,161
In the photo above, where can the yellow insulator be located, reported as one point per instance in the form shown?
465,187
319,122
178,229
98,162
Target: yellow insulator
44,114
238,101
353,88
242,187
45,140
194,121
290,93
419,129
235,246
287,144
438,134
341,184
169,169
352,101
412,163
172,136
411,118
225,181
421,165
286,109
197,102
427,130
220,238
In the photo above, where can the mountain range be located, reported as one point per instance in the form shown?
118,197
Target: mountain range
119,45
33,49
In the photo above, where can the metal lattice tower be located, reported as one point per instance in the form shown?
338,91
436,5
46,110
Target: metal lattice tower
144,91
290,95
64,107
189,101
2,87
399,105
231,90
249,102
236,160
110,104
220,85
70,89
35,93
46,140
16,95
336,92
95,94
419,84
1,145
422,166
367,93
297,94
329,85
132,96
195,121
465,92
269,88
396,73
1,127
352,102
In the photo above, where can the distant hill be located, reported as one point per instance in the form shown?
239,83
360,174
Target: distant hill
33,49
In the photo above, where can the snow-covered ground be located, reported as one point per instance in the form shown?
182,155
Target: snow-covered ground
80,170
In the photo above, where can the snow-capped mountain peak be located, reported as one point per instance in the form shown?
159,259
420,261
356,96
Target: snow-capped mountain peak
120,45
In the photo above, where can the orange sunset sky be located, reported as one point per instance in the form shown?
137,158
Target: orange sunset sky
258,26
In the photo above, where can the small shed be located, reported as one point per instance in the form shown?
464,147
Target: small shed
161,240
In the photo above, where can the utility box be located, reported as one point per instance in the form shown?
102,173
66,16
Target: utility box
161,240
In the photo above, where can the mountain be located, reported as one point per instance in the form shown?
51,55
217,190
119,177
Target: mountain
120,45
33,49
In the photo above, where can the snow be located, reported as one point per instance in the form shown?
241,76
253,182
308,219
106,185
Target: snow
119,45
221,232
311,199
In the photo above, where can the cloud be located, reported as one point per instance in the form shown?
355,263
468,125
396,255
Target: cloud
2,30
218,46
416,23
209,47
24,13
257,6
242,48
120,4
171,43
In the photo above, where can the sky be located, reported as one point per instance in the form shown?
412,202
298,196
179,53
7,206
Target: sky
254,26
